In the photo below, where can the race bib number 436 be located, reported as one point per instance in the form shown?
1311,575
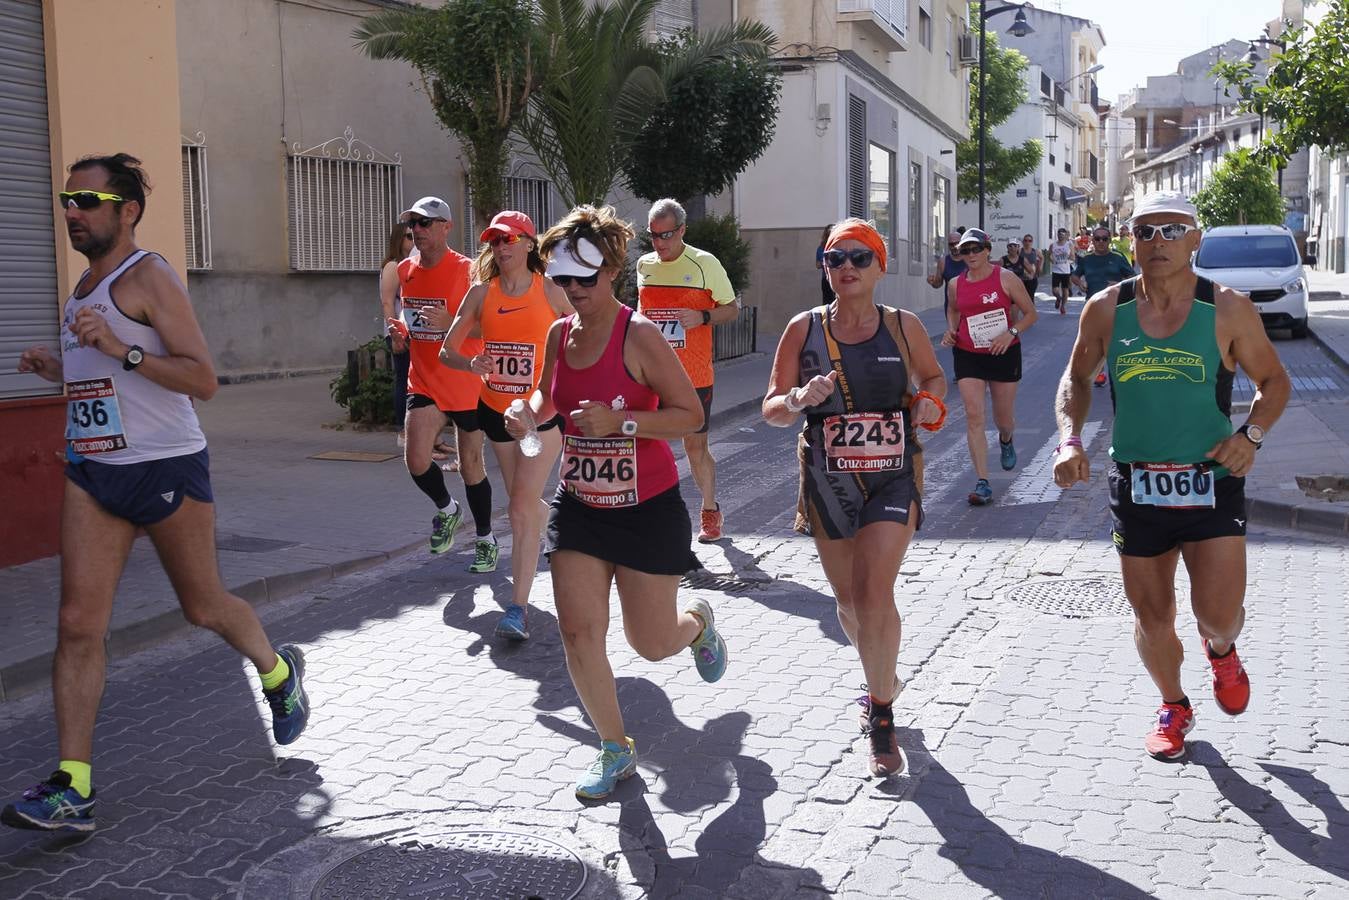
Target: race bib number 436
93,418
601,471
1172,485
864,442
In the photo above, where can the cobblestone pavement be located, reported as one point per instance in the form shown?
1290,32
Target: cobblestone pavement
1023,721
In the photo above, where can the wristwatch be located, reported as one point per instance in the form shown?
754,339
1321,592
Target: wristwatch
1014,331
707,317
134,357
1253,433
629,426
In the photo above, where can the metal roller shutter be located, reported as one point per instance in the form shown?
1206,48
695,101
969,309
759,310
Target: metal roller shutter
29,310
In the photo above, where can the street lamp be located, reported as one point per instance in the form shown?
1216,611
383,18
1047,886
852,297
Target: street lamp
1020,28
1253,57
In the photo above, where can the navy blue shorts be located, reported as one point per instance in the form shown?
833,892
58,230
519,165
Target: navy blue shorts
144,493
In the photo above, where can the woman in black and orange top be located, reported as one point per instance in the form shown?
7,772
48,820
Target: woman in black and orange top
513,306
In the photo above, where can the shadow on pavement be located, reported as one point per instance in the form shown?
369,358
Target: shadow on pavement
1329,853
786,596
990,857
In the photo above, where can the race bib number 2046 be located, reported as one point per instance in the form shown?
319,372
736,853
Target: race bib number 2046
93,417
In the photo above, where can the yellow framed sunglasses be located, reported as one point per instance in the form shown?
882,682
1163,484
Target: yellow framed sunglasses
85,199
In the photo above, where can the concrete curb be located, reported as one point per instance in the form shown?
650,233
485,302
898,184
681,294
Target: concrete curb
26,676
1328,346
1315,518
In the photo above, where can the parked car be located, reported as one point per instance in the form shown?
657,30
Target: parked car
1261,261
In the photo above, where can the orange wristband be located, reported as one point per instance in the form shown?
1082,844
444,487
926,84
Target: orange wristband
931,426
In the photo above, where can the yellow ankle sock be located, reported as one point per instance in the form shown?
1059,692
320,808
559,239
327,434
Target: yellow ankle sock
80,774
277,677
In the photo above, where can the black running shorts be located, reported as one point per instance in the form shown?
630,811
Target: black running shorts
1141,530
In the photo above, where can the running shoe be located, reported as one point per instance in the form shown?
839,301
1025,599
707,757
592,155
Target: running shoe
289,702
1007,457
884,755
1167,739
1100,380
709,650
486,552
512,624
711,526
52,805
443,527
615,762
982,495
1231,686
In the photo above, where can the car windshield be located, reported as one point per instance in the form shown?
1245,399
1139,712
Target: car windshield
1246,251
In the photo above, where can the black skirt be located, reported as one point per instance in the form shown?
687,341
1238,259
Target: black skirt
986,366
655,536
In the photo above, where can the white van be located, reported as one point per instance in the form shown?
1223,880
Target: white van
1260,261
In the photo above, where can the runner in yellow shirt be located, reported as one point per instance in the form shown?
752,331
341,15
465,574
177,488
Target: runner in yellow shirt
685,291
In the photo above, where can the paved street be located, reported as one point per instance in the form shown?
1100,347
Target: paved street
1023,717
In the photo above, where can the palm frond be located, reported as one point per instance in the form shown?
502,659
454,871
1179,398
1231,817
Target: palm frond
383,35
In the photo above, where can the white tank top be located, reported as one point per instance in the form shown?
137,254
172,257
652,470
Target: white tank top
114,416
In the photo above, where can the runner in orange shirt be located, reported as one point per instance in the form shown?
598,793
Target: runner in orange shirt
685,291
432,286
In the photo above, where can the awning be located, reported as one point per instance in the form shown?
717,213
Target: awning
1070,196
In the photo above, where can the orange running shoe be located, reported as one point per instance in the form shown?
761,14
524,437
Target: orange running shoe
1100,379
711,526
1167,740
1231,686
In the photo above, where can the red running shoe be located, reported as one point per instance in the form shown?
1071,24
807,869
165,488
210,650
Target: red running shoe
1231,687
884,755
1167,740
1100,379
711,526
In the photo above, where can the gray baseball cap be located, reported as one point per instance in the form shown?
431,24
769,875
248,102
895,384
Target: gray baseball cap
428,208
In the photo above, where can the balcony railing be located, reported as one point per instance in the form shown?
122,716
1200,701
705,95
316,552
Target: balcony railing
1090,166
737,337
889,19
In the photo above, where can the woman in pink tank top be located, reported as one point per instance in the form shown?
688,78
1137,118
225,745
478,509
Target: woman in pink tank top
618,515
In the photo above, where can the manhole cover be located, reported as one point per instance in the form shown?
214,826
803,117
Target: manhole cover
481,865
1073,598
726,583
243,544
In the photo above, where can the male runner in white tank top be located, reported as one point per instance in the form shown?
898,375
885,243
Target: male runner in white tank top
132,357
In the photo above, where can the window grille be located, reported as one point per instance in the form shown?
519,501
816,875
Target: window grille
941,208
196,205
671,17
531,196
857,157
916,212
343,196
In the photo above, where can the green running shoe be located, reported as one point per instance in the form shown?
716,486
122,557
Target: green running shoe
486,552
443,527
709,650
615,762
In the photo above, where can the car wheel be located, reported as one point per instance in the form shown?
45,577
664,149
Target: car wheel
1299,330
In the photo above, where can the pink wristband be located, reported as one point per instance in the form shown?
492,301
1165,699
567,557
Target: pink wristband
1073,440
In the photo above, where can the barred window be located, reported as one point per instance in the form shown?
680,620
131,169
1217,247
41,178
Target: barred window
196,205
532,196
343,195
673,16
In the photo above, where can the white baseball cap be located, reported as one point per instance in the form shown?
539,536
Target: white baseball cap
1165,202
582,258
428,208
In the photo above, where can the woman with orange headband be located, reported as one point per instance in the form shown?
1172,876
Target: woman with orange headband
849,367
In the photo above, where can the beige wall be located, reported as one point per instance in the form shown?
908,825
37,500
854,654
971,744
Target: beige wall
112,86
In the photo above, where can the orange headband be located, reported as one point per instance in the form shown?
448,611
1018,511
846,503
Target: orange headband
863,234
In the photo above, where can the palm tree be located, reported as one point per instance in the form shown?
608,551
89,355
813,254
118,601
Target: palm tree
479,61
604,80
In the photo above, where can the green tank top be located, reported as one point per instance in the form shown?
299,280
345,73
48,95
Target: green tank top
1173,396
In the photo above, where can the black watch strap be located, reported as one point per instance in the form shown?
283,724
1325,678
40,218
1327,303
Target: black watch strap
1245,431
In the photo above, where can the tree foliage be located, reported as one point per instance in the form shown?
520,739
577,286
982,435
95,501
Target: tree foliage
723,113
1241,192
480,61
1306,90
1006,86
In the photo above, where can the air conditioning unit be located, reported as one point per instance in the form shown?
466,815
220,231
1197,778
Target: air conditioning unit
967,50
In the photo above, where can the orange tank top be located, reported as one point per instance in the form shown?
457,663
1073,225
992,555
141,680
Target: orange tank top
514,334
442,286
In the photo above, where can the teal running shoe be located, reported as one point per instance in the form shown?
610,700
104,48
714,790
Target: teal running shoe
1008,457
709,650
615,762
289,702
443,527
512,625
52,805
486,552
982,495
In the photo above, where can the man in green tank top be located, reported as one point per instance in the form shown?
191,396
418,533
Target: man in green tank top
1172,342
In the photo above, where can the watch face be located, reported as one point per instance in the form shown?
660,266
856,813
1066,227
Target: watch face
629,428
1255,433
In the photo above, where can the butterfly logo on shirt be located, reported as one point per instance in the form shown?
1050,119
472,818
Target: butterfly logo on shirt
988,299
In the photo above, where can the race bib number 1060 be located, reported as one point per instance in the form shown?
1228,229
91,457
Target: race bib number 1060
1172,485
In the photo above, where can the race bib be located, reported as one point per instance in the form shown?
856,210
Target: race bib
864,442
419,327
600,471
670,326
512,367
986,326
94,419
1172,485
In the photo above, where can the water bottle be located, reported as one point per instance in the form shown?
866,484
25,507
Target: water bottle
530,445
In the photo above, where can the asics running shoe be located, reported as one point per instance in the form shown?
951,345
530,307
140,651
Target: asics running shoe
1008,455
512,624
486,552
52,805
982,495
709,650
289,702
710,529
615,762
443,527
1167,739
1231,686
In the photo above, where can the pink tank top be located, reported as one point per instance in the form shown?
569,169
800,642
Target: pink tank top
985,310
612,471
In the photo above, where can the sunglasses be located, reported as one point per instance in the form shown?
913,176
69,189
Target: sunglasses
860,259
85,199
1171,232
507,239
564,281
419,222
971,249
664,235
1101,238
